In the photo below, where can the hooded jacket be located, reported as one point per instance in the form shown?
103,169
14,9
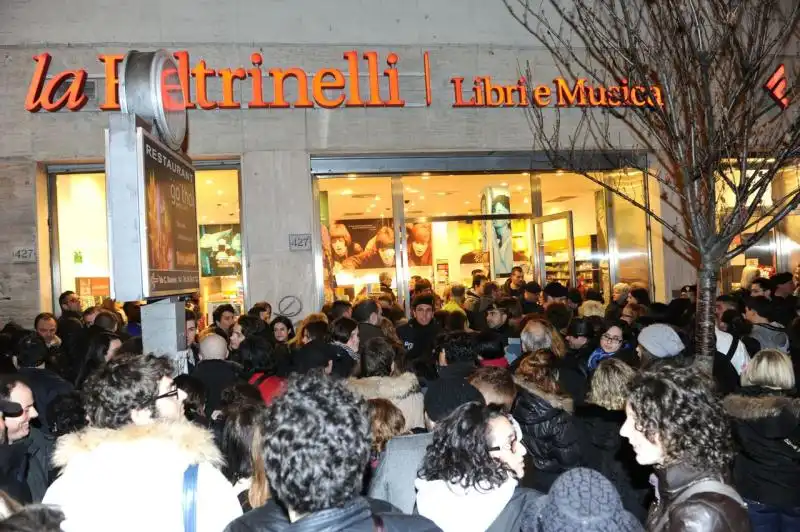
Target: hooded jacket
771,336
403,391
357,516
765,425
216,375
131,479
548,433
456,509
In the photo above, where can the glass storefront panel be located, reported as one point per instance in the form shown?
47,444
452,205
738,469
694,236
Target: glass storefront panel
82,237
630,229
358,240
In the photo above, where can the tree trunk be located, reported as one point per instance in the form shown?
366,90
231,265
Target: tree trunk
705,337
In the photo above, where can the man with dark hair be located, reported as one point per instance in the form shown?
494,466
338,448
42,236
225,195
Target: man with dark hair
339,309
46,325
368,315
419,334
378,382
30,445
530,298
394,479
13,458
33,358
761,287
783,285
138,452
69,323
475,292
224,317
784,299
496,386
559,315
726,302
107,321
770,334
324,429
515,284
456,354
555,292
497,316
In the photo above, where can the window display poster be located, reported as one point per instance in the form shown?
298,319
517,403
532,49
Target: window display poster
497,239
361,244
220,250
171,220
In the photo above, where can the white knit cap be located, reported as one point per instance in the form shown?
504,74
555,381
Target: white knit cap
661,340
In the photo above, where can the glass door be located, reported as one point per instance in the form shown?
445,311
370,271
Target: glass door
555,250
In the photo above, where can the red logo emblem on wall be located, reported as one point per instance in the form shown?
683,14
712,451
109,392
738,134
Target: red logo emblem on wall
777,85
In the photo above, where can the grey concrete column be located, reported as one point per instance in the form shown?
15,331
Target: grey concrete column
276,201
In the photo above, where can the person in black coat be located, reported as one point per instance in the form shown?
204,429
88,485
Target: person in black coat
573,372
599,421
419,334
766,425
545,418
215,371
324,427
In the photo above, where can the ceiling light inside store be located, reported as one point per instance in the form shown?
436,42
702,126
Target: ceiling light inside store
352,176
346,192
219,193
560,172
442,214
526,173
526,200
377,198
503,184
422,197
372,206
411,190
467,202
209,181
520,187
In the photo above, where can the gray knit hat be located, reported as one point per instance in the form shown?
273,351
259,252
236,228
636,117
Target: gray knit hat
580,500
661,341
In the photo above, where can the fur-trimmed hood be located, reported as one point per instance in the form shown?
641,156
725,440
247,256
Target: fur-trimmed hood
747,407
178,440
556,401
392,388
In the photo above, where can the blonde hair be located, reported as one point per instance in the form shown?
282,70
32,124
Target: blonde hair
749,274
591,308
387,422
258,493
609,387
769,368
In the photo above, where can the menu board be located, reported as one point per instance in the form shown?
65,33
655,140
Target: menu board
170,221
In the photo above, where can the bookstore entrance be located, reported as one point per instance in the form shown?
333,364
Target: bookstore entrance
387,221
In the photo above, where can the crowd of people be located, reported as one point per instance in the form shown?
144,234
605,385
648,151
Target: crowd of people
493,407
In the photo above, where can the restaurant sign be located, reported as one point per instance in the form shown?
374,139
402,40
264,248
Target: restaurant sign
326,88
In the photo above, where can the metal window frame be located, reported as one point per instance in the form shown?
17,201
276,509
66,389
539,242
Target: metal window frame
54,170
395,166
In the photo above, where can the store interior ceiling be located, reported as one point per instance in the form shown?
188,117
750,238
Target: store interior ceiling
217,196
353,196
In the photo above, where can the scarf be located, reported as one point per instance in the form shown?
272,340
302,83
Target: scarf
348,350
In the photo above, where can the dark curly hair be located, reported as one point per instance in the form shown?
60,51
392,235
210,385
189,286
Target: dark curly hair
195,403
128,382
459,453
678,405
66,414
318,444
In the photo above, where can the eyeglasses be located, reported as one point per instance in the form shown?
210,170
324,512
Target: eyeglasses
172,393
512,446
612,339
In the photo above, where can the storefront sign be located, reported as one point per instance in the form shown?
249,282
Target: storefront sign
171,220
327,88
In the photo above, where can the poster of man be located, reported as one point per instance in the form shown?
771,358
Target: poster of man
497,232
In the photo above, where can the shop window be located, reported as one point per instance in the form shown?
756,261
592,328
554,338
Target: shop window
82,237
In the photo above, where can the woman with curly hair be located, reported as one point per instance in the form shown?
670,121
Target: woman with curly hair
675,423
468,478
545,417
766,424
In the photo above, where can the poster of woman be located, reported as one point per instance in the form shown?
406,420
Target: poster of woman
497,201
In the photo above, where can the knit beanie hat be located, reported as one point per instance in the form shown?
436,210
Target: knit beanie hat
447,394
661,341
580,499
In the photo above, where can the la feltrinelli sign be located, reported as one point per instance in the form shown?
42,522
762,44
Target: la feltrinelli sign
327,88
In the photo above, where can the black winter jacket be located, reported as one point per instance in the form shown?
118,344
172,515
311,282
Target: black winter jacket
419,340
765,425
548,433
356,517
604,450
